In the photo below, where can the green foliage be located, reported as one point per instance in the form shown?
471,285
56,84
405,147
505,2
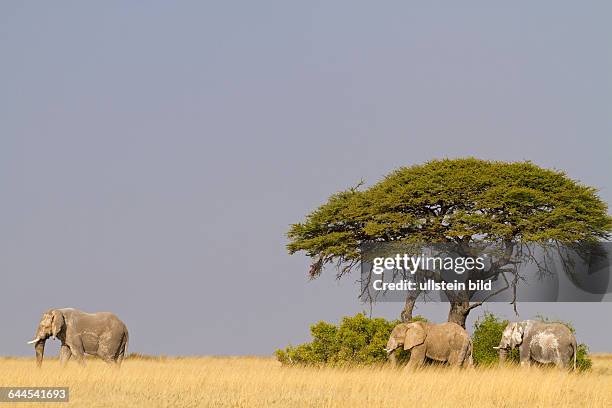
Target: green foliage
357,340
442,200
583,361
488,332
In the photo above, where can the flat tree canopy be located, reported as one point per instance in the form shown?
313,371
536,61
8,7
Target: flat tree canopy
456,200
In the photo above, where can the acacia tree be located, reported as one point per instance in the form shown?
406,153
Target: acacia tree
451,201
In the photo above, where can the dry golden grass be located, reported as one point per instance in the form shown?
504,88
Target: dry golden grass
262,382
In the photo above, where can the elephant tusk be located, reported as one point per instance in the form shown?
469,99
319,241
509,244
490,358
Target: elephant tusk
496,347
33,341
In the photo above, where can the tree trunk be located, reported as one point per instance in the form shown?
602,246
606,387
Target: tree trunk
406,314
459,312
411,299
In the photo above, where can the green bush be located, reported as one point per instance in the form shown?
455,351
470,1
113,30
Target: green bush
583,361
357,340
488,332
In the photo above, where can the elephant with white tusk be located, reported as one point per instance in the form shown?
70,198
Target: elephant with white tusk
541,342
446,342
99,334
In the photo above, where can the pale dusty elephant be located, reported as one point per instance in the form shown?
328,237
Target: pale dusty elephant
446,342
99,334
541,342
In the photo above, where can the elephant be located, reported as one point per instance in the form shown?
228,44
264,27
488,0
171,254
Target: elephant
100,334
541,342
446,342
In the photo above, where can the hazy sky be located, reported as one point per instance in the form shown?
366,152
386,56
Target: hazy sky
153,155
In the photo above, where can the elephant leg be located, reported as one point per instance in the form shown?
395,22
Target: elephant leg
79,357
525,356
458,362
64,355
568,357
469,363
453,358
469,360
465,354
77,350
560,362
393,358
111,361
417,356
110,358
119,359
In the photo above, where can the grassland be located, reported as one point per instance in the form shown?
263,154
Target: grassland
262,382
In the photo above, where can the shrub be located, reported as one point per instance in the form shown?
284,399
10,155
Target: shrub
488,332
583,361
357,340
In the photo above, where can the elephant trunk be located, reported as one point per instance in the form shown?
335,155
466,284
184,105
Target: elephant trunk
40,351
502,353
392,356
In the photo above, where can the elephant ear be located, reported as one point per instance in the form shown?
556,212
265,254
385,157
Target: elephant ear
517,334
414,336
57,323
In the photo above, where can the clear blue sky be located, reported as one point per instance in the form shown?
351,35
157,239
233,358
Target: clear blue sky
153,154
